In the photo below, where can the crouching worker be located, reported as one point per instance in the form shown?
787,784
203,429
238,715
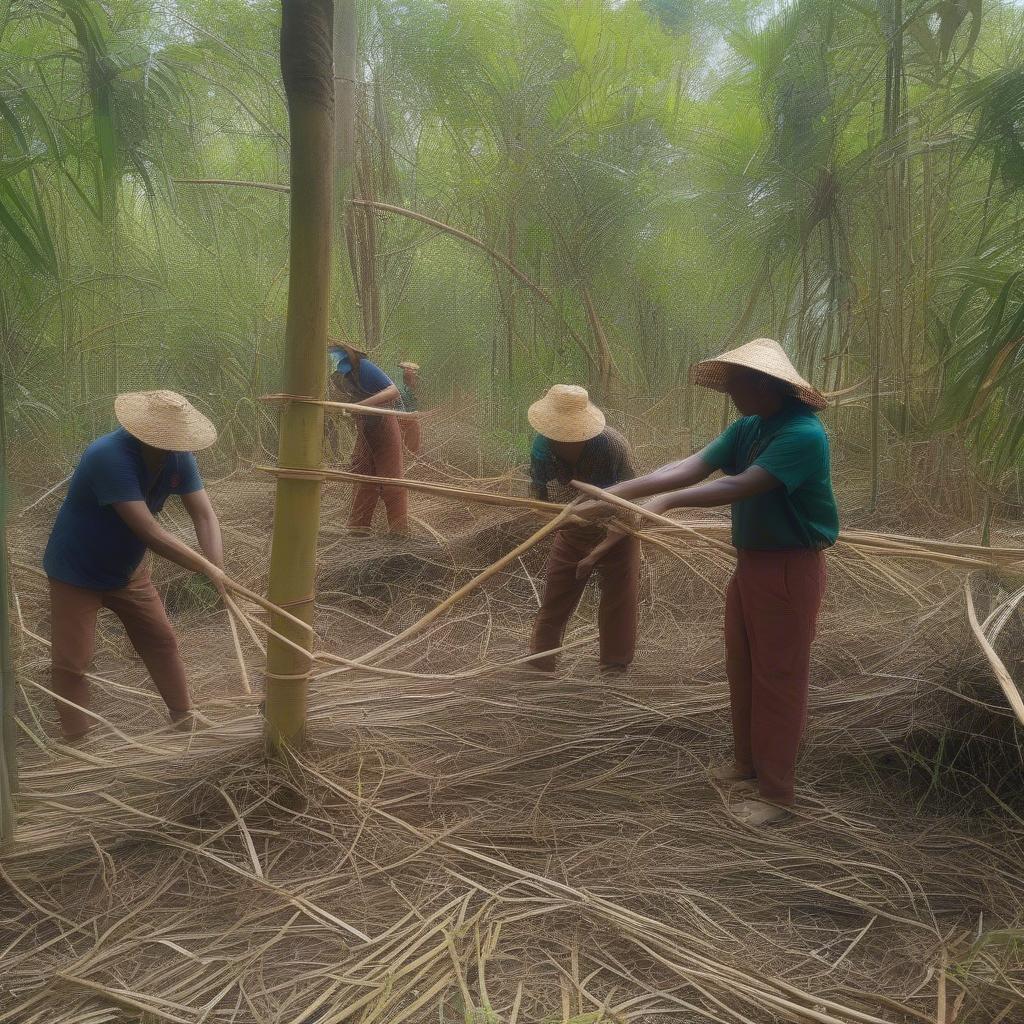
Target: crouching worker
95,554
573,443
378,447
778,483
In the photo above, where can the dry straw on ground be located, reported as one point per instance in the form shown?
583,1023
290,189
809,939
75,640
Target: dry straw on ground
464,840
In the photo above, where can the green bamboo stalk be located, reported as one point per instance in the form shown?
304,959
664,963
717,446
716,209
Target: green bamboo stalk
8,750
345,99
308,72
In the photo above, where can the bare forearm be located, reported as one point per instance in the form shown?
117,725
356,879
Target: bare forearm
384,397
724,491
210,540
675,475
168,546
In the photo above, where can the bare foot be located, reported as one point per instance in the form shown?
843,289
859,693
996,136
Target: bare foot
730,773
614,668
759,812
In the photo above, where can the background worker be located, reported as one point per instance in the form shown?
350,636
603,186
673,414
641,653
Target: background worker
378,445
95,555
573,443
778,482
408,389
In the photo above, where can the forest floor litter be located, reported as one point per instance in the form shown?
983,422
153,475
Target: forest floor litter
466,840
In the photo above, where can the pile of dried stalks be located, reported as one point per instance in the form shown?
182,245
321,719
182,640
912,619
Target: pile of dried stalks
464,841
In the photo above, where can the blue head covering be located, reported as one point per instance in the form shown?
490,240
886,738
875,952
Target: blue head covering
339,360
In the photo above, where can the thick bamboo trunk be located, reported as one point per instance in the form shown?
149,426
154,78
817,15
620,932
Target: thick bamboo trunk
307,70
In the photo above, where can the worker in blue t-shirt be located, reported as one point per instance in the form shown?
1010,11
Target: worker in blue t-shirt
378,447
94,557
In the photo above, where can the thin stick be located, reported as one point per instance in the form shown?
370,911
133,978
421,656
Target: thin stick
253,635
238,650
475,582
42,497
1002,675
266,605
483,497
353,407
629,506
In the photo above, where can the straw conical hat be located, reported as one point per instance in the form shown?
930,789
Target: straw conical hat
566,413
164,419
764,355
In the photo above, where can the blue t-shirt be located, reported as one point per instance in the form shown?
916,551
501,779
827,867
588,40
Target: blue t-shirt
91,545
791,445
372,379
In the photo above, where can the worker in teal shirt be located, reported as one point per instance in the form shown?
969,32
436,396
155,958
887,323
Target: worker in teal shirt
777,480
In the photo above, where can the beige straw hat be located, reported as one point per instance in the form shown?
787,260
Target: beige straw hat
764,355
566,413
164,419
407,365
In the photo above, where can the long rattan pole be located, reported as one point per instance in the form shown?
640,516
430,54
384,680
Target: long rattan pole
353,407
882,544
448,490
491,570
1003,677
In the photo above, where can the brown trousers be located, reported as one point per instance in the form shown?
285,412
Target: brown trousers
412,435
73,612
619,572
378,452
771,613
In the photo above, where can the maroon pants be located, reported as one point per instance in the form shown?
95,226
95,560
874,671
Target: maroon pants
73,612
619,572
378,452
771,612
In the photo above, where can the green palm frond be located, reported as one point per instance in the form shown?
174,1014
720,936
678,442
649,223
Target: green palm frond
985,373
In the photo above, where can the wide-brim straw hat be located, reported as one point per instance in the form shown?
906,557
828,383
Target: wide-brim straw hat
405,364
767,357
333,342
566,413
164,419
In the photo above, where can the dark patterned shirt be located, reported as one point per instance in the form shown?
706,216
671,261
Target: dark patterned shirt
604,460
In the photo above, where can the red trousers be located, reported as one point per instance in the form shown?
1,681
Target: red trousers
771,613
73,612
619,572
378,452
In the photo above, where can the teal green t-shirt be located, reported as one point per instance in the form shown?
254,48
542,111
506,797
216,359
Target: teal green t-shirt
791,445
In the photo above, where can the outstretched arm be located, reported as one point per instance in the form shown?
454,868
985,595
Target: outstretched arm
683,473
389,394
723,491
673,476
207,525
142,523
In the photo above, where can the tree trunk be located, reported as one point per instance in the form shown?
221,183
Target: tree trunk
345,100
8,752
605,361
875,329
307,70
